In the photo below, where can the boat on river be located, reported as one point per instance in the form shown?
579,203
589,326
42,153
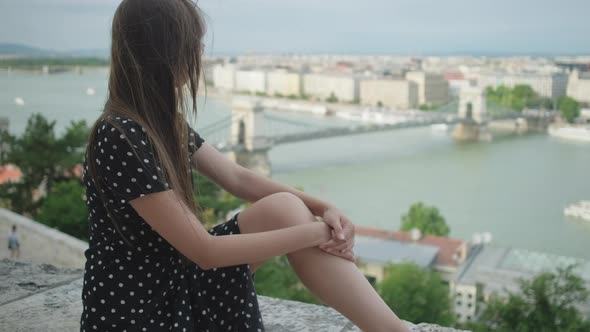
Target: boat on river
580,210
580,133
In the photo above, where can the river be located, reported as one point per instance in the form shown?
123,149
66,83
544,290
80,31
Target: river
514,187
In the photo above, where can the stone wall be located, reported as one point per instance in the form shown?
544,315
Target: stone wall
46,298
41,244
41,297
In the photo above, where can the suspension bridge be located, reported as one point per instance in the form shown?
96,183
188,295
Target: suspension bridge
252,126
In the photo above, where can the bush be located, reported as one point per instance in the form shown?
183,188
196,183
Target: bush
64,208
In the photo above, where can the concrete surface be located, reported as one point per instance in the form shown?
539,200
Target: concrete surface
46,298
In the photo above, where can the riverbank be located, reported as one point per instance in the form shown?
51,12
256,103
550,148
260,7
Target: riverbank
351,112
52,65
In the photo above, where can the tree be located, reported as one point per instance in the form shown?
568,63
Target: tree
546,103
425,218
417,295
546,303
332,98
569,108
64,208
517,98
42,157
277,279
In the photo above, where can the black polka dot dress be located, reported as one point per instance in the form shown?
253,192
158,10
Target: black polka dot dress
136,281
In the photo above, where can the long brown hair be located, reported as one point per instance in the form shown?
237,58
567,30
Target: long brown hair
156,48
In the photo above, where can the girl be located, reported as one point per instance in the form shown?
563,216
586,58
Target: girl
151,265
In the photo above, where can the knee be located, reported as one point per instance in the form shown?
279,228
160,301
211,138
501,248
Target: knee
285,199
288,206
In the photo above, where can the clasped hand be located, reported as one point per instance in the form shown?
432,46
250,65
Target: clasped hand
342,242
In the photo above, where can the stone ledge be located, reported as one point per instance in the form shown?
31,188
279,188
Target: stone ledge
43,244
46,298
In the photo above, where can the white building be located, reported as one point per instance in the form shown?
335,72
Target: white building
322,86
579,87
432,88
551,85
250,81
224,76
394,93
285,83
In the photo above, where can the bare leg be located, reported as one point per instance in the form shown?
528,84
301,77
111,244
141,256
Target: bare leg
334,280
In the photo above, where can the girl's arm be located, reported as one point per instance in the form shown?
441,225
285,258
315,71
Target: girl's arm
173,220
244,183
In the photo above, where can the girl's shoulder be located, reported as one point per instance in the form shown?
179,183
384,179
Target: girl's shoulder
111,128
111,124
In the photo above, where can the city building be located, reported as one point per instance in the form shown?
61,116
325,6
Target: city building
394,93
284,83
494,270
224,76
9,173
432,88
457,82
374,254
578,87
251,81
323,86
450,253
551,85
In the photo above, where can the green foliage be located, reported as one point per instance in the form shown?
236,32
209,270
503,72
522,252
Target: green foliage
569,108
417,295
215,201
425,218
546,103
277,279
518,98
64,208
279,95
546,303
260,94
379,103
42,157
332,98
424,107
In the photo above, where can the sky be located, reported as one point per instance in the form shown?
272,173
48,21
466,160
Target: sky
405,27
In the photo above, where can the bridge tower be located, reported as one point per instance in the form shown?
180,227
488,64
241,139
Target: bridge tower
248,134
473,116
248,126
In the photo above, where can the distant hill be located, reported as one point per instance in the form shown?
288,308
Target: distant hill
22,50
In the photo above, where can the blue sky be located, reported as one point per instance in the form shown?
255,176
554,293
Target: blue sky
328,26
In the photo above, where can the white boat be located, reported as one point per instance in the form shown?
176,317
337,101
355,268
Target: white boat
580,210
571,133
19,101
439,127
91,91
